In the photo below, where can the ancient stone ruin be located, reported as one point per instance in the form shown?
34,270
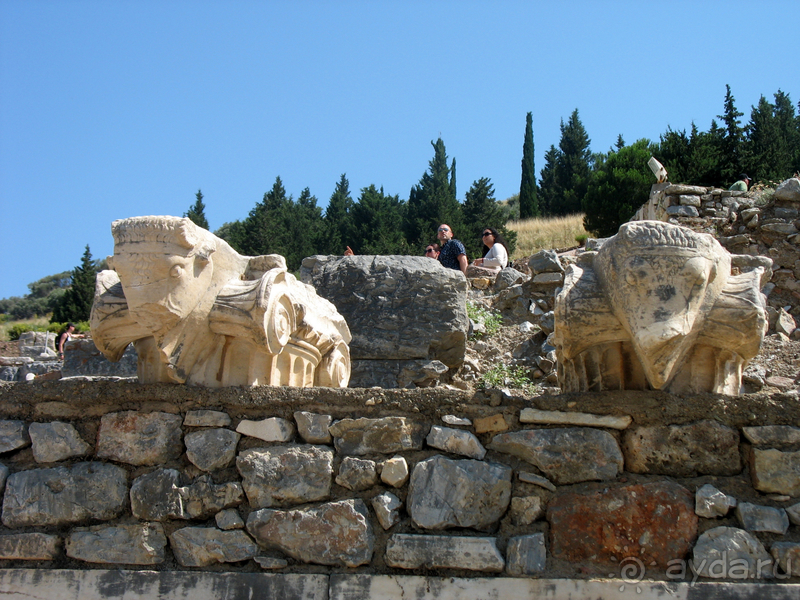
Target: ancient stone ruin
657,308
198,312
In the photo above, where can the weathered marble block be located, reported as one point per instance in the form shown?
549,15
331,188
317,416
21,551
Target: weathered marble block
408,551
140,438
204,546
141,544
384,435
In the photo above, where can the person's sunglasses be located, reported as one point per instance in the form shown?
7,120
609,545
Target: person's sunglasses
443,229
485,233
428,250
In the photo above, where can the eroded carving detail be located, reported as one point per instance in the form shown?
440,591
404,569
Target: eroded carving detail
657,308
200,313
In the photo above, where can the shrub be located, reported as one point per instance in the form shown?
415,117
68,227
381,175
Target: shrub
17,329
490,319
502,375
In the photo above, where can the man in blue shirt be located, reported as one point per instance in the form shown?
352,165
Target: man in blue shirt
453,254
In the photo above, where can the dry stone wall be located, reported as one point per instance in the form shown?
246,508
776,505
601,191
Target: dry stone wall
427,481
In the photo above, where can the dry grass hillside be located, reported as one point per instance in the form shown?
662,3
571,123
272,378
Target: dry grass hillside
542,233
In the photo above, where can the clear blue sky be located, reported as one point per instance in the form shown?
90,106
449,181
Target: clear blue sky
118,108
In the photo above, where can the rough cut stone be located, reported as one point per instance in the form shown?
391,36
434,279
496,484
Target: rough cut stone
313,428
267,562
64,495
545,261
788,190
13,435
794,513
568,455
395,471
408,551
787,555
357,474
211,449
206,418
273,429
654,522
508,277
762,518
775,472
536,480
337,533
203,498
527,555
384,436
784,384
29,546
386,507
556,417
727,552
456,441
286,475
455,420
140,438
81,357
229,519
396,373
141,544
709,502
682,211
386,302
4,471
702,448
491,424
204,546
158,496
785,323
526,509
772,435
458,493
56,441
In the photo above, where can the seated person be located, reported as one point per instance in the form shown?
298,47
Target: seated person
496,250
453,255
432,251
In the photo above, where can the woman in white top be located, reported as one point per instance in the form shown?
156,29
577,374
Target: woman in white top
494,245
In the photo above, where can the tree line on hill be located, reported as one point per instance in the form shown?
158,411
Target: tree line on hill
608,187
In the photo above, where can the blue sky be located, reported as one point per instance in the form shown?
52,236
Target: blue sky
111,109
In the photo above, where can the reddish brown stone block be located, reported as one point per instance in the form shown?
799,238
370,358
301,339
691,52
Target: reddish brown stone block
654,522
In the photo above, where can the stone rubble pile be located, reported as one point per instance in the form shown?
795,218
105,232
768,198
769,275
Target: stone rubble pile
507,492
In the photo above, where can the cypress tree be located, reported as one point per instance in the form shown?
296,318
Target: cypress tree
528,202
732,139
76,303
196,212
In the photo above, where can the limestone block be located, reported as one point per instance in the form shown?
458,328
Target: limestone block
336,533
204,546
203,498
396,373
676,189
56,441
385,435
689,200
198,312
702,448
762,518
527,555
386,302
267,562
456,420
456,441
81,357
682,211
29,546
794,513
787,555
64,495
654,522
545,261
394,471
206,418
13,435
555,417
565,455
357,474
657,308
387,507
788,190
408,551
140,438
536,480
313,428
775,472
491,424
141,544
229,519
709,502
155,497
526,509
458,493
785,323
211,449
273,429
286,475
727,552
772,435
508,277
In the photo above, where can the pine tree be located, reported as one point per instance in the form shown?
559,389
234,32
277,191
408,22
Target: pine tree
196,212
264,226
76,303
732,140
378,222
528,202
482,211
620,144
572,167
339,219
549,189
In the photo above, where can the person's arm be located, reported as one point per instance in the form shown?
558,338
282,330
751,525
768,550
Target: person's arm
61,339
496,257
462,263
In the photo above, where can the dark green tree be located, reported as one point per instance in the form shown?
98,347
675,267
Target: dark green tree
378,223
732,140
304,226
196,212
620,142
264,231
549,190
673,152
528,202
765,149
706,157
234,233
76,303
453,179
339,219
481,211
432,201
573,168
618,188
